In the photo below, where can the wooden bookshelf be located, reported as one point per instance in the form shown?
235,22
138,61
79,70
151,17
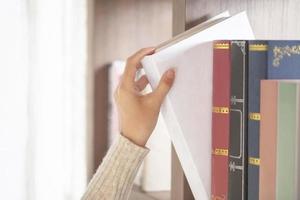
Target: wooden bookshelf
270,19
122,24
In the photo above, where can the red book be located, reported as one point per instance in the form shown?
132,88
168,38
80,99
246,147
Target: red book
220,119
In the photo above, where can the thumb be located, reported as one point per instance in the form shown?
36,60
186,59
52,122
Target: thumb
164,85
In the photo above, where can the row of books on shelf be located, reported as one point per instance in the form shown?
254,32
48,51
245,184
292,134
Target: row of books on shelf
255,120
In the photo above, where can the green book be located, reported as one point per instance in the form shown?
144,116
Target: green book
287,141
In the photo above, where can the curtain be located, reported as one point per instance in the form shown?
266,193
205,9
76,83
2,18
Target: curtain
44,102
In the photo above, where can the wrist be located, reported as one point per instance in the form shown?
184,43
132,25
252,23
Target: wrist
135,138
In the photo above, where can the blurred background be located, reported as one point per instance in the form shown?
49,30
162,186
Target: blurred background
60,61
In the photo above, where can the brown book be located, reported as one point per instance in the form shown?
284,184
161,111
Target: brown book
268,139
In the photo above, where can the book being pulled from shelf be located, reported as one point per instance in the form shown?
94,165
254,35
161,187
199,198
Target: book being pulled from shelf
187,110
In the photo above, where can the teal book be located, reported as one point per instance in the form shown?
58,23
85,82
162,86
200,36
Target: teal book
287,164
257,64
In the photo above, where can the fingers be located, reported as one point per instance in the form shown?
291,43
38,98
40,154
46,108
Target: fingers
133,63
142,83
164,86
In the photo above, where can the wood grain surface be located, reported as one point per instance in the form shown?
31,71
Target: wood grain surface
270,19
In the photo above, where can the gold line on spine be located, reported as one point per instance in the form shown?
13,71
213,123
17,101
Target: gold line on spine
220,152
254,161
258,47
221,46
254,116
221,110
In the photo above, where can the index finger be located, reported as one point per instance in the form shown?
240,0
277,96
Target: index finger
133,63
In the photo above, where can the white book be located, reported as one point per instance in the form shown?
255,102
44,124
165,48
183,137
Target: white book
187,110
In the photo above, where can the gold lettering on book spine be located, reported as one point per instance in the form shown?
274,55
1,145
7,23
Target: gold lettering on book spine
258,47
220,152
254,116
254,161
287,51
221,46
215,197
221,110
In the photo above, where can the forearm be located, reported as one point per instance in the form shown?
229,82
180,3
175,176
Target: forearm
114,177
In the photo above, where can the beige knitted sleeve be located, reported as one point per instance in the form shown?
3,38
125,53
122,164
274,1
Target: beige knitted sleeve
114,177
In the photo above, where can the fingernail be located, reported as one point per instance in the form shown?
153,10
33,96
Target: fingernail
170,73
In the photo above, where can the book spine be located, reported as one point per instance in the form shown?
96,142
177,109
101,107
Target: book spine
298,144
237,186
257,63
283,59
268,139
286,143
220,119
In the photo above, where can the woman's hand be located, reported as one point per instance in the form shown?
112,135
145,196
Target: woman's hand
138,113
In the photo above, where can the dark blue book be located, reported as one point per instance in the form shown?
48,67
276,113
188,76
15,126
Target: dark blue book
283,59
257,65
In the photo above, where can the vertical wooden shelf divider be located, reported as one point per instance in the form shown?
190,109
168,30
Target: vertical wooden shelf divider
180,189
